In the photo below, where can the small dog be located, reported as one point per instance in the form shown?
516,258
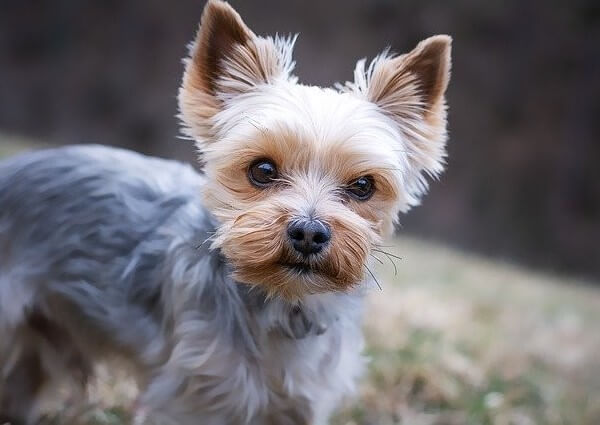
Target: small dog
234,295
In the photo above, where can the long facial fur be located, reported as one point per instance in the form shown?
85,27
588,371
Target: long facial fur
240,102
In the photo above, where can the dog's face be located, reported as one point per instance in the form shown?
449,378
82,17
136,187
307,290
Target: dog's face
306,181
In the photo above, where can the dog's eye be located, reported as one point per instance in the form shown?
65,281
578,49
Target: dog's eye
262,172
362,188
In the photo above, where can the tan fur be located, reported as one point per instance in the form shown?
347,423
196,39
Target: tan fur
226,59
240,103
410,88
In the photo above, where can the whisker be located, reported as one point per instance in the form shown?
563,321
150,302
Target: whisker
374,278
393,263
378,259
387,253
389,258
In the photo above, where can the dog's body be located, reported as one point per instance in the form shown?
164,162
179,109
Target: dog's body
235,295
104,255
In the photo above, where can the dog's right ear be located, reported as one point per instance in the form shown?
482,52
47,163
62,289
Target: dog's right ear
226,59
410,90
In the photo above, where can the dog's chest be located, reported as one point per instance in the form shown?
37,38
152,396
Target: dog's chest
316,371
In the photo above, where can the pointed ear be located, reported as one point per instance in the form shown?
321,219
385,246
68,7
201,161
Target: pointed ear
429,63
226,60
410,89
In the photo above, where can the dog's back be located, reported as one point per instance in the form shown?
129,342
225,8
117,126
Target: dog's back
77,210
82,235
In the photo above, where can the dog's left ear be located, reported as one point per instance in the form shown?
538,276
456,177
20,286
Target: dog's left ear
410,89
226,59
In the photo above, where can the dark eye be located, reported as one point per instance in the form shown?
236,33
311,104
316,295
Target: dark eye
262,172
362,188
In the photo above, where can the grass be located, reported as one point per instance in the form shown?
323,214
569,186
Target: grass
456,339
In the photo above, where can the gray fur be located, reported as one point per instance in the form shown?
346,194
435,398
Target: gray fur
103,255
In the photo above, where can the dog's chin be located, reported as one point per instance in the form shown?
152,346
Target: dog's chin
300,268
293,280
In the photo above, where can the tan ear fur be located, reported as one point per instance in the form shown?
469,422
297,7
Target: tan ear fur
221,32
410,89
226,59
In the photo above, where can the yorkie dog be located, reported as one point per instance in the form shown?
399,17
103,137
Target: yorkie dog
234,296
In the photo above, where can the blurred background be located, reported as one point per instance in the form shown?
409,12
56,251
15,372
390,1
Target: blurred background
523,179
522,183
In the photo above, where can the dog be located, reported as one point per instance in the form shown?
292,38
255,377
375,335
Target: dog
234,295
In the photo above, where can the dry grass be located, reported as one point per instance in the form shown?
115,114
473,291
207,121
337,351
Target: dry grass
455,339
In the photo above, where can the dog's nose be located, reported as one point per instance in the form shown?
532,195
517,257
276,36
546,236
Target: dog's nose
308,236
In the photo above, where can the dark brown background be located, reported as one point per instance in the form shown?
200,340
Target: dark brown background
523,179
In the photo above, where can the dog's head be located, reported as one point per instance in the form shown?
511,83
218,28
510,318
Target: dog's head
306,181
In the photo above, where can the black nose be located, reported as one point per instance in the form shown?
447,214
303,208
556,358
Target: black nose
308,236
